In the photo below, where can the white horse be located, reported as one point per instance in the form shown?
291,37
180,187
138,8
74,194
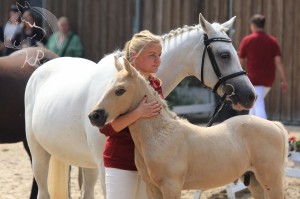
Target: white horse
172,154
60,95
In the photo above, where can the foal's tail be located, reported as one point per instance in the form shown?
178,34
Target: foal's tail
58,179
284,135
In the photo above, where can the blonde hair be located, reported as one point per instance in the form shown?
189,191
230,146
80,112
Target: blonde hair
138,42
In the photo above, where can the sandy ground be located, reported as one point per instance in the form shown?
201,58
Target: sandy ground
16,176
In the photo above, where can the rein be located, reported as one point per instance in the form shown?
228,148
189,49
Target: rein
227,89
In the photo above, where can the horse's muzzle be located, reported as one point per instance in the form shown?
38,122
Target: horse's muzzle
98,117
244,100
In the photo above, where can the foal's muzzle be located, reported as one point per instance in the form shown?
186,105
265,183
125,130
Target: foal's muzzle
98,117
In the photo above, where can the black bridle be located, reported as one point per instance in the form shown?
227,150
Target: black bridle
227,89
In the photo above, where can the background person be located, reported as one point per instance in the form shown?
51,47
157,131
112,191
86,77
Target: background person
143,51
65,43
260,54
31,34
11,29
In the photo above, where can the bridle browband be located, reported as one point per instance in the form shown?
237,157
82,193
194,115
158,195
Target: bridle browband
227,89
208,48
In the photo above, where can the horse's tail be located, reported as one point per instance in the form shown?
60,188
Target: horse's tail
58,179
284,135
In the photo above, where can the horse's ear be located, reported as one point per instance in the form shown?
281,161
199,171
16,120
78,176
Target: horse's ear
206,26
227,25
130,69
118,65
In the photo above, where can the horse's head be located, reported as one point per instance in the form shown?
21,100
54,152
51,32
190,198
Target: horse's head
122,94
220,66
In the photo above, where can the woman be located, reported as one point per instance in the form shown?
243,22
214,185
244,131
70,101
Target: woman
65,43
143,51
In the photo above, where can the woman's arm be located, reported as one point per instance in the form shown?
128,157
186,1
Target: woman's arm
279,67
144,109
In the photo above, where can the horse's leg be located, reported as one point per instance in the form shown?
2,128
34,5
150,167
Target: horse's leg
170,189
272,183
40,164
34,187
255,188
80,177
153,192
90,177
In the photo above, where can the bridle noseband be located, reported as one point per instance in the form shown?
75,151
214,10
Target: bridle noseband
227,89
221,79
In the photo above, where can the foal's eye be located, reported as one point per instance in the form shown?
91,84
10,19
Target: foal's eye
120,91
225,55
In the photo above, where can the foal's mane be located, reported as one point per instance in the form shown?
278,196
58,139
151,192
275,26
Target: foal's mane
156,96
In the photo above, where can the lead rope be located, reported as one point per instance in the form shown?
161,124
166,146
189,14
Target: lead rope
217,110
228,91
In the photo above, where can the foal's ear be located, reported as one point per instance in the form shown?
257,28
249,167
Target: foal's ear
118,65
206,26
130,69
227,25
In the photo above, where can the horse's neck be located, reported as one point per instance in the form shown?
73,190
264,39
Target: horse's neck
179,58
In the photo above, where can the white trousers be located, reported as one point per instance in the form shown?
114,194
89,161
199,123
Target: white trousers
259,108
123,184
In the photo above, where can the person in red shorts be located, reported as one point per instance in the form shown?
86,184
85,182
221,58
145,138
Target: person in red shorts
122,180
260,54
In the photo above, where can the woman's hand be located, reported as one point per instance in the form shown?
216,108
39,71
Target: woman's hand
148,109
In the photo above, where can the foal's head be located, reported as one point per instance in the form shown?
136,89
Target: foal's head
123,94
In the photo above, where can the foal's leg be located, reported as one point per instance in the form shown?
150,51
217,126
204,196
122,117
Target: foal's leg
272,183
40,165
255,188
153,192
90,177
171,189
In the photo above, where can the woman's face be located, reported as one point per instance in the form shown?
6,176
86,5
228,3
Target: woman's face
148,60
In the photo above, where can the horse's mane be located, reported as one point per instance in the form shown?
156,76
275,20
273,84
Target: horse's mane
174,33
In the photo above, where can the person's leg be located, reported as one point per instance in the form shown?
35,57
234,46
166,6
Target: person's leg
121,183
259,106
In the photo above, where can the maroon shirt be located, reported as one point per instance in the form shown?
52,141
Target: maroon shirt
260,49
119,147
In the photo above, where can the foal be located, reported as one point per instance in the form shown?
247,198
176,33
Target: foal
173,154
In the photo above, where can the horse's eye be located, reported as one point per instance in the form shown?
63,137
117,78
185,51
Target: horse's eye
225,55
120,91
